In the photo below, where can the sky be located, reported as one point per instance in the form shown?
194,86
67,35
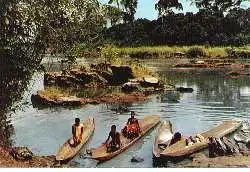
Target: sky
146,8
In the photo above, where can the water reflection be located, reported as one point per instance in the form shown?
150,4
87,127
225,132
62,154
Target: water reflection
215,98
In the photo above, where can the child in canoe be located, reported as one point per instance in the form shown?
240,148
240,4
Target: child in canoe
77,131
115,143
132,129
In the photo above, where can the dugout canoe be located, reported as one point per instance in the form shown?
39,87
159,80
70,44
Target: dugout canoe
179,149
164,134
66,151
100,153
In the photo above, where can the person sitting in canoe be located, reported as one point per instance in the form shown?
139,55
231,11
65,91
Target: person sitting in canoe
176,137
77,131
132,129
115,143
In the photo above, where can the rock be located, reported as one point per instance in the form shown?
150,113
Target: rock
184,90
180,54
149,81
248,144
100,66
136,159
121,74
242,147
245,127
237,73
200,62
74,78
240,137
107,75
130,87
193,65
21,153
40,99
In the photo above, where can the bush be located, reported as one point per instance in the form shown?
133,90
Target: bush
110,55
230,52
243,54
195,52
140,69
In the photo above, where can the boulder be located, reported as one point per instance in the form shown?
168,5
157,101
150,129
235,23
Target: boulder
184,90
39,99
130,86
149,81
74,78
21,153
137,159
121,74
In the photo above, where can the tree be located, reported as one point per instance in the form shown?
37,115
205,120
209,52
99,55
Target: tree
164,7
115,1
114,14
130,7
30,28
218,6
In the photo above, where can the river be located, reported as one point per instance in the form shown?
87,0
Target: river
215,98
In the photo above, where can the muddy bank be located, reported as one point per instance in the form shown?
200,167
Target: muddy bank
40,99
212,63
6,160
238,73
200,160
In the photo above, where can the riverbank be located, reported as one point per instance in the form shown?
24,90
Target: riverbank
184,51
7,161
199,160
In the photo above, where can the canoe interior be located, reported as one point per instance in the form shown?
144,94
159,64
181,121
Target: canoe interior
100,153
180,149
66,151
163,136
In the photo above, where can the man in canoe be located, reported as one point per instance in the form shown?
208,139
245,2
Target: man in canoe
115,143
77,131
132,129
176,137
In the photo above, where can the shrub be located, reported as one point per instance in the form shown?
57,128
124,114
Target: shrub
110,55
140,69
195,52
230,52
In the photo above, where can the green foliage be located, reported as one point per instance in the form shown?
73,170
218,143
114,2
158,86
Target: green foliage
195,52
218,7
127,7
54,92
202,28
164,7
110,55
139,69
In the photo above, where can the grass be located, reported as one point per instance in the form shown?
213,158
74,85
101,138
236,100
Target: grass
170,50
140,69
54,93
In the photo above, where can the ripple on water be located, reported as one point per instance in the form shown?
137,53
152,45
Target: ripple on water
213,100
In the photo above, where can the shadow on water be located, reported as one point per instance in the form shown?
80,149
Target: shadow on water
13,83
215,98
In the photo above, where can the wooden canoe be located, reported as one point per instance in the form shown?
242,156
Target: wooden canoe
163,136
100,153
180,149
66,151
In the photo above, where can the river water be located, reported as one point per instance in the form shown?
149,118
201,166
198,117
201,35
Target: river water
215,98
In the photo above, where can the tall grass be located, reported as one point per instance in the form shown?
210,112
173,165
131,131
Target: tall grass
167,50
55,92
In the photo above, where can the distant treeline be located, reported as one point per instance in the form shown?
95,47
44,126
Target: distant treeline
203,28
